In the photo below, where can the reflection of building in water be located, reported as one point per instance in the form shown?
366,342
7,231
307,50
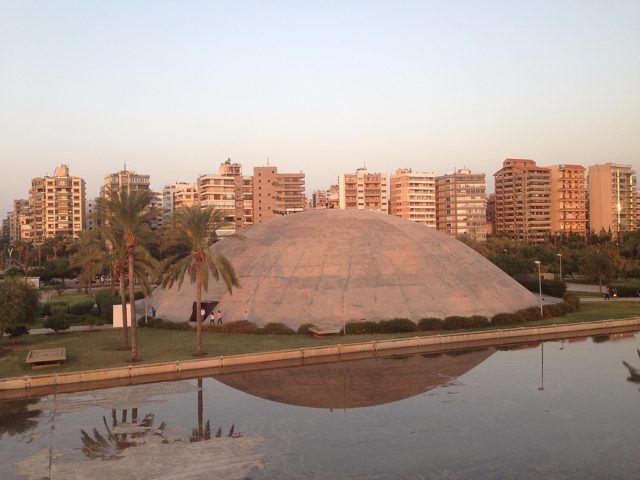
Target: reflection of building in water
357,383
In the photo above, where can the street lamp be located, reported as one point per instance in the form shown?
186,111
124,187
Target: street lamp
537,262
560,258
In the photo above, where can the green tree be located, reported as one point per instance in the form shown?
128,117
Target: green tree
19,303
88,257
192,234
512,264
130,213
598,265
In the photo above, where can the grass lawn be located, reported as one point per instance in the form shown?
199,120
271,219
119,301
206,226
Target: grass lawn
99,349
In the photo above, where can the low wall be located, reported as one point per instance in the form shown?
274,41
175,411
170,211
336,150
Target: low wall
76,381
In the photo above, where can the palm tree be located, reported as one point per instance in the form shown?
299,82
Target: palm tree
117,257
130,213
193,233
89,258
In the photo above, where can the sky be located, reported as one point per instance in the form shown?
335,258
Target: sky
174,88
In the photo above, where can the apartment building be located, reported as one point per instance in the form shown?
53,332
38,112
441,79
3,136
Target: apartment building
568,199
491,214
363,191
461,204
56,207
124,180
523,201
612,199
413,196
177,195
277,193
326,198
20,209
219,193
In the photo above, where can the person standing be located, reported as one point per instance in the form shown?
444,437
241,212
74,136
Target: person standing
246,316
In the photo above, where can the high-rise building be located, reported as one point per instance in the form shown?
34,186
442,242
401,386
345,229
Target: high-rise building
568,199
124,180
91,222
326,198
20,208
277,193
523,201
56,207
219,192
461,204
413,196
243,192
4,241
491,214
156,222
611,198
363,191
177,195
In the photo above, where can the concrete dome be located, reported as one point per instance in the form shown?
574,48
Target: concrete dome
330,266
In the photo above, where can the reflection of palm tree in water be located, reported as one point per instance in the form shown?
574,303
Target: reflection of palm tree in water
16,416
110,445
634,373
203,432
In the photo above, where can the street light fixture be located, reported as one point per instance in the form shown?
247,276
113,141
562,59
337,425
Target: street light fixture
560,258
537,262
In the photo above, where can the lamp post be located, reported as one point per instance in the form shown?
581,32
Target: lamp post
560,258
537,262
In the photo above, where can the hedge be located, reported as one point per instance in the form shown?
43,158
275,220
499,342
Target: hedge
554,288
57,323
626,289
397,325
361,327
80,308
430,323
275,328
59,310
163,324
238,327
304,328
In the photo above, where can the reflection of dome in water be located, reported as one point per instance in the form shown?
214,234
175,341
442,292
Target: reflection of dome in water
357,383
329,266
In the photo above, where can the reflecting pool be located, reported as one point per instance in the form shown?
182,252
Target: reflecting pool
560,409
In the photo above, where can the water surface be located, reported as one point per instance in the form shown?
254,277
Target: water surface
562,409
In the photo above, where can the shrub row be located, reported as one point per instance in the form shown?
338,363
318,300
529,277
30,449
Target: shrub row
396,325
275,328
163,324
554,288
629,288
17,331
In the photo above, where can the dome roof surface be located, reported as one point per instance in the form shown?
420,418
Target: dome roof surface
330,266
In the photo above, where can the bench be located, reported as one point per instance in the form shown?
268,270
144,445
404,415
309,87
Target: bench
52,357
321,332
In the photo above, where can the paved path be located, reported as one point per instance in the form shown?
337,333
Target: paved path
76,328
583,287
616,299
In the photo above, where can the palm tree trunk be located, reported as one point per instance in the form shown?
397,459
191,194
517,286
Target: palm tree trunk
123,302
199,310
132,302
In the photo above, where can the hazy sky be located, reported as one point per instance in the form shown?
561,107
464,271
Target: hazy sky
174,88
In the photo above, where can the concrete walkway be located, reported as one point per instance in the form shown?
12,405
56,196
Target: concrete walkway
75,328
583,287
